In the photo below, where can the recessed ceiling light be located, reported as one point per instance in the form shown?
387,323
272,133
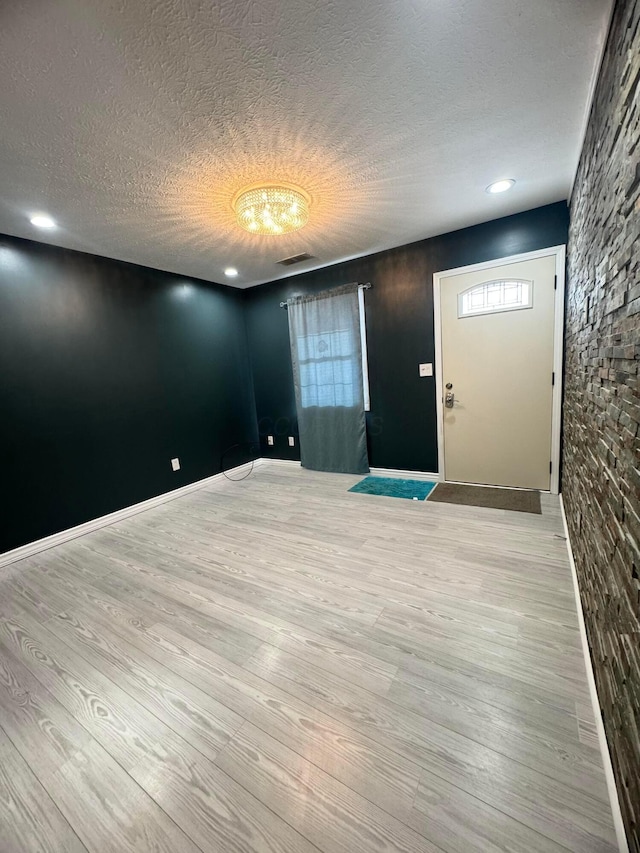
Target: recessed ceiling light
500,186
231,272
41,220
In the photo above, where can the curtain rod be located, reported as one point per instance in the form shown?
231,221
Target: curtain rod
366,286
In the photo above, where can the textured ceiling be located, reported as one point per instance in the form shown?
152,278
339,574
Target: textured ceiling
134,122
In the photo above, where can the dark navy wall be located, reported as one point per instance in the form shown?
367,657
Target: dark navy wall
107,371
402,422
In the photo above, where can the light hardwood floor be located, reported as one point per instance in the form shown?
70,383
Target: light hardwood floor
278,665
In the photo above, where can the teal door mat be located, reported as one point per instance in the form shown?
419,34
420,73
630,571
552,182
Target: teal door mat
392,487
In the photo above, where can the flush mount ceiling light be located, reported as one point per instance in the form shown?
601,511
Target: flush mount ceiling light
271,209
500,186
41,220
231,272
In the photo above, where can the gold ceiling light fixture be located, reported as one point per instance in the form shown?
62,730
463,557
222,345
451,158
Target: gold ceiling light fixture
272,209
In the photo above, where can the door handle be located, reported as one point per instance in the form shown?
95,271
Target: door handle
449,397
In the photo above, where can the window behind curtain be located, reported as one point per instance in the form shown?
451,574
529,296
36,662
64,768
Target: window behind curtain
329,373
325,331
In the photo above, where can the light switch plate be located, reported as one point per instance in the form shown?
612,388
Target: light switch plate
175,464
426,369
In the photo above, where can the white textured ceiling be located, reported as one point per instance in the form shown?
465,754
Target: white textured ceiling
134,122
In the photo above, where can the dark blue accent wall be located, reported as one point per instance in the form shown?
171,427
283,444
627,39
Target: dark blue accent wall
401,427
107,371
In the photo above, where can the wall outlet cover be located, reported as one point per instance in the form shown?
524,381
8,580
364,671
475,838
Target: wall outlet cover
269,439
292,441
175,464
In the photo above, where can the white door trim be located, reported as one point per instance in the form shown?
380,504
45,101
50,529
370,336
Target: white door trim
558,333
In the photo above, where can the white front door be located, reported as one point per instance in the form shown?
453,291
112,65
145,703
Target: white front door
497,361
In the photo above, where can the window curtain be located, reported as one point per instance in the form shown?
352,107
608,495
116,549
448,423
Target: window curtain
326,355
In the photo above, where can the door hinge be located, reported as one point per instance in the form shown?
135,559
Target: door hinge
553,378
555,282
550,467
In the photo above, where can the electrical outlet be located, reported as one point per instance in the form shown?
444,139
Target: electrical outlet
270,439
175,464
292,441
426,369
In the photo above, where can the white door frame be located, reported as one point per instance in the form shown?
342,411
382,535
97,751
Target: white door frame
558,334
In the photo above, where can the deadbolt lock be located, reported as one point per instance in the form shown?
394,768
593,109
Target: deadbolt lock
449,397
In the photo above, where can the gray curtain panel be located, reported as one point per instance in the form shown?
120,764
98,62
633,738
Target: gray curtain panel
327,372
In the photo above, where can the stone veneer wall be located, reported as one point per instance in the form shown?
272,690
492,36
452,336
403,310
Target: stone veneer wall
601,457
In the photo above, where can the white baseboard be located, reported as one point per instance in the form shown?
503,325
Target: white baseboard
32,548
618,823
377,472
47,542
408,475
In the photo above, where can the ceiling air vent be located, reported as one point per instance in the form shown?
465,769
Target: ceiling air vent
295,259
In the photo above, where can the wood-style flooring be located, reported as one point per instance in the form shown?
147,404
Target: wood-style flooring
280,666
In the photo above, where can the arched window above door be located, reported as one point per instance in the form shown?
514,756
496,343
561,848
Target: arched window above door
492,297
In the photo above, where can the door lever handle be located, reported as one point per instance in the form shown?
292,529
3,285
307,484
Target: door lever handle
449,397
